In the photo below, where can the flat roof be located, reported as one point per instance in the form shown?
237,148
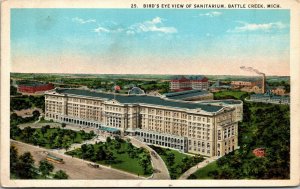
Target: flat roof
131,99
109,129
225,101
185,94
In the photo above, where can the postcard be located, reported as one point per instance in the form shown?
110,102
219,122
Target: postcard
150,93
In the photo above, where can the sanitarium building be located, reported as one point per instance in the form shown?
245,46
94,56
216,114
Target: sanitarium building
209,129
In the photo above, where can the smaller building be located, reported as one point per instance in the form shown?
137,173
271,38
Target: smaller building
278,91
255,89
34,87
195,82
259,152
190,95
270,98
218,86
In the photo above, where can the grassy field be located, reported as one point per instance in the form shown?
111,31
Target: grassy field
229,94
182,162
203,172
124,158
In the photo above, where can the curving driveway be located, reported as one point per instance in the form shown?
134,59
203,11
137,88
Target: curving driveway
160,170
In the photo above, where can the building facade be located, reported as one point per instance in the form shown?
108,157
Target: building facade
210,130
183,83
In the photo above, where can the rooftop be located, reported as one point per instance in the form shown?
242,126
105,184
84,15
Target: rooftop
185,94
131,99
32,83
225,101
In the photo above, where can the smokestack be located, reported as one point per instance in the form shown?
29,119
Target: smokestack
263,82
263,85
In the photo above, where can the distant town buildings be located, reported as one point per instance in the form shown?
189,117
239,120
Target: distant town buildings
218,86
195,82
278,91
201,128
33,87
257,86
270,98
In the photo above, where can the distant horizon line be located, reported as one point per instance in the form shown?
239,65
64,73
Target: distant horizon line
147,74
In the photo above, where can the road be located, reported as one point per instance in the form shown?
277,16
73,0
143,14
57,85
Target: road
161,171
200,165
74,167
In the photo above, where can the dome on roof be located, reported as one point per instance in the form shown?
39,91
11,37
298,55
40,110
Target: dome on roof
136,91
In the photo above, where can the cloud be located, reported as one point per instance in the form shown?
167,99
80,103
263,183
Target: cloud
267,27
212,14
82,21
101,30
154,25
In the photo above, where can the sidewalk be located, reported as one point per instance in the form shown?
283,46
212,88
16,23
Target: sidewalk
200,165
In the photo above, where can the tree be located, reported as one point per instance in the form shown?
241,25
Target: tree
63,125
110,157
45,167
170,158
25,167
73,136
61,175
66,142
144,162
27,133
57,143
108,139
36,114
44,130
101,154
13,158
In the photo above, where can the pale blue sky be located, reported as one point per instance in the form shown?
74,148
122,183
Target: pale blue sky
120,35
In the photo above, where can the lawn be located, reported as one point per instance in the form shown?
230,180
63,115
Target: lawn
203,172
229,94
118,154
181,163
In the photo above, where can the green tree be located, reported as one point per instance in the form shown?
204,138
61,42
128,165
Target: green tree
144,162
170,158
108,139
61,175
63,125
36,114
45,168
66,142
25,168
44,130
14,160
27,132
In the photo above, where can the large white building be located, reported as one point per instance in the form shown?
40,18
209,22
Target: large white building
206,129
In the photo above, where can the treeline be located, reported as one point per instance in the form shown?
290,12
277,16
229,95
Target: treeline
52,138
264,126
26,102
22,167
16,120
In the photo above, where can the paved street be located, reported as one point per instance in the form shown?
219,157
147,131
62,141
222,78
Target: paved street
74,167
200,165
157,163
